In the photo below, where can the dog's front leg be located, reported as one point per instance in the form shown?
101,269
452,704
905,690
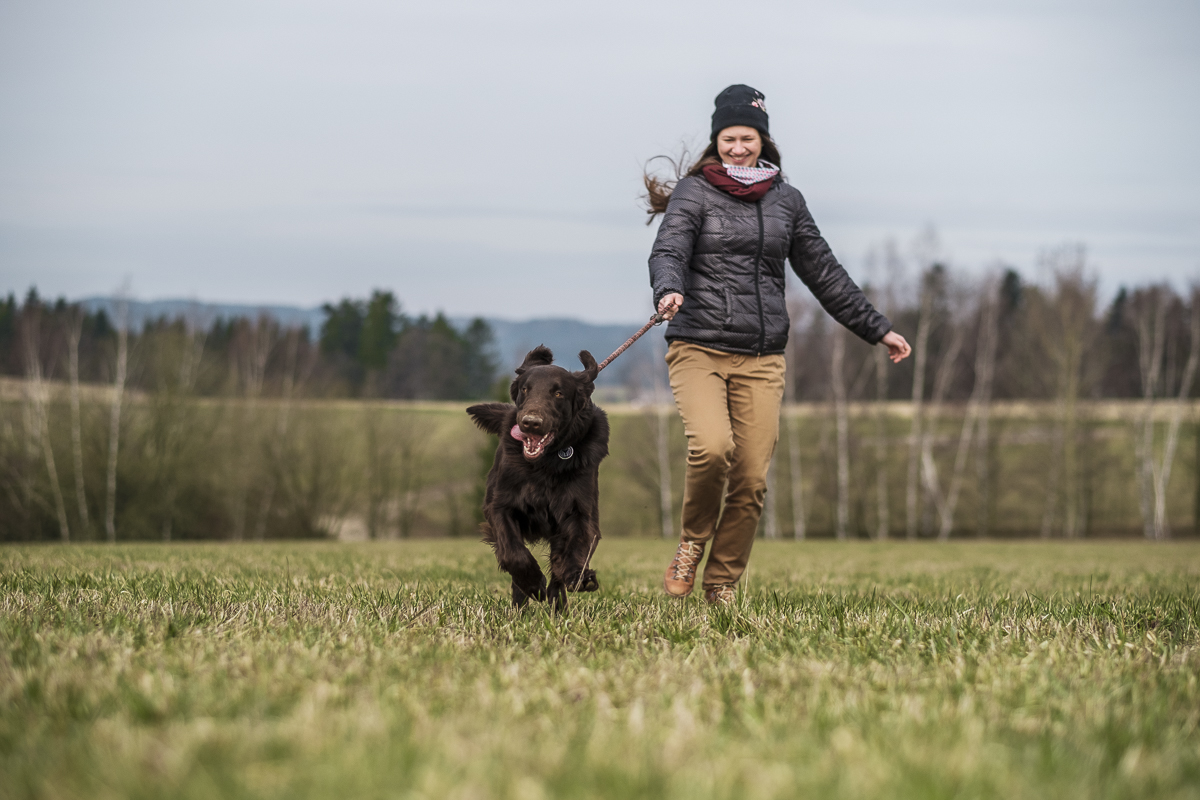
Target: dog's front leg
570,553
515,559
586,581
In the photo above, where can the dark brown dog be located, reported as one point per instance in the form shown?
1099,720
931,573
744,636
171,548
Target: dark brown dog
544,482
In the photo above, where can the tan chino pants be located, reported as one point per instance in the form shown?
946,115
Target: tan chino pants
730,408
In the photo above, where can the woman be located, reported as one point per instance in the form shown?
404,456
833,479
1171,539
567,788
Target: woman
717,274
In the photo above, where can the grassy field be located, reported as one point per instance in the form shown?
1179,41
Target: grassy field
398,669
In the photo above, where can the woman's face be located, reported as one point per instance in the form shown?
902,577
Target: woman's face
739,146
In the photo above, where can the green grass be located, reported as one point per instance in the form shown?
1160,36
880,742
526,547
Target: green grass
398,669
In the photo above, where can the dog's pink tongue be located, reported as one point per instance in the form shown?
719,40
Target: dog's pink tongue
516,433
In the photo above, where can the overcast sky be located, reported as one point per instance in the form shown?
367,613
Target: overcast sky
485,158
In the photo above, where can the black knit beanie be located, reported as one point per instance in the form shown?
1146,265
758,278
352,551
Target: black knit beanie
740,105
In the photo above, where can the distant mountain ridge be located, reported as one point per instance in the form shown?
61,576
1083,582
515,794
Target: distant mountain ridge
566,337
204,314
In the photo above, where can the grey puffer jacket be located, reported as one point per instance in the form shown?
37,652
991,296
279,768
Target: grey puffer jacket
725,256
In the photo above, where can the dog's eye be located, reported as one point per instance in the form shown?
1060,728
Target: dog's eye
525,390
558,394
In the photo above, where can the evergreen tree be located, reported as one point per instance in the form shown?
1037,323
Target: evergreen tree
341,332
341,340
380,329
480,366
9,364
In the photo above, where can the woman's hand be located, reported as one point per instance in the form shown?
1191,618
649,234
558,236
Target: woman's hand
670,304
898,347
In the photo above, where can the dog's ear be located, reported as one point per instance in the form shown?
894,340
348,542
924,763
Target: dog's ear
587,378
490,417
539,356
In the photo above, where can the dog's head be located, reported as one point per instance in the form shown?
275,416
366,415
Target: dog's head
552,403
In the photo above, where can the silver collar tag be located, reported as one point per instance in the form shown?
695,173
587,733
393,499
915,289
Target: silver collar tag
566,453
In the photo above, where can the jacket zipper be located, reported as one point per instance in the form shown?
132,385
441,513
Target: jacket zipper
762,329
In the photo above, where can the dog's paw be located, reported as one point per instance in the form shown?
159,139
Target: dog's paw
585,581
522,595
556,594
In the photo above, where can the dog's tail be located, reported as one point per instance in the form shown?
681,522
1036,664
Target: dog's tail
490,417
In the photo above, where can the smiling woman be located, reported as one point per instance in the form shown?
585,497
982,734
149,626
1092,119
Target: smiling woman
728,226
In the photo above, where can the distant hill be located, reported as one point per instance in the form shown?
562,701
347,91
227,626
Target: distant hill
566,337
141,312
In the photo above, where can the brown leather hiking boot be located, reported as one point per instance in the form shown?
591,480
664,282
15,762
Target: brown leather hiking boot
723,595
681,574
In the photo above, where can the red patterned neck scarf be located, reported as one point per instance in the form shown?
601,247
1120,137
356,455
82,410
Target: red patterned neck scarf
745,183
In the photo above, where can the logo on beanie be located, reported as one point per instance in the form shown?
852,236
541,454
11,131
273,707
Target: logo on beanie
760,104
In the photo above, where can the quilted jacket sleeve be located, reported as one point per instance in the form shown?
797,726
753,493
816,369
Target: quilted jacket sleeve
815,264
672,251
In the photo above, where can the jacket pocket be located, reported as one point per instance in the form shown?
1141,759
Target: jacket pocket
728,308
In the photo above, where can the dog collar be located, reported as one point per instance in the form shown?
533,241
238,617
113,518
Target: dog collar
566,453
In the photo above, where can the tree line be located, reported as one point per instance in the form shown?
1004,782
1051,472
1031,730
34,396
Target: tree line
364,348
85,460
216,441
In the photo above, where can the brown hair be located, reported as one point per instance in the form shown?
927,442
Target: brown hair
658,192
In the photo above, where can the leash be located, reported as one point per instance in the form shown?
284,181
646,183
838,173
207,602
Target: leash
657,319
591,551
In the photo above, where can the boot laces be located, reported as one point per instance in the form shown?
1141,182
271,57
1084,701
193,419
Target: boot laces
721,594
687,557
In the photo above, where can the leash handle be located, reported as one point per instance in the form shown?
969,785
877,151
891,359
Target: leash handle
657,319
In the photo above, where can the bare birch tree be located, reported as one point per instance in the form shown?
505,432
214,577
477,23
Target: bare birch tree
1154,473
799,311
282,418
380,472
921,347
1067,333
770,513
947,366
39,395
1162,530
983,435
842,421
17,469
20,480
1150,316
1053,478
178,405
662,413
74,335
981,392
251,360
882,516
886,300
411,484
114,424
799,526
